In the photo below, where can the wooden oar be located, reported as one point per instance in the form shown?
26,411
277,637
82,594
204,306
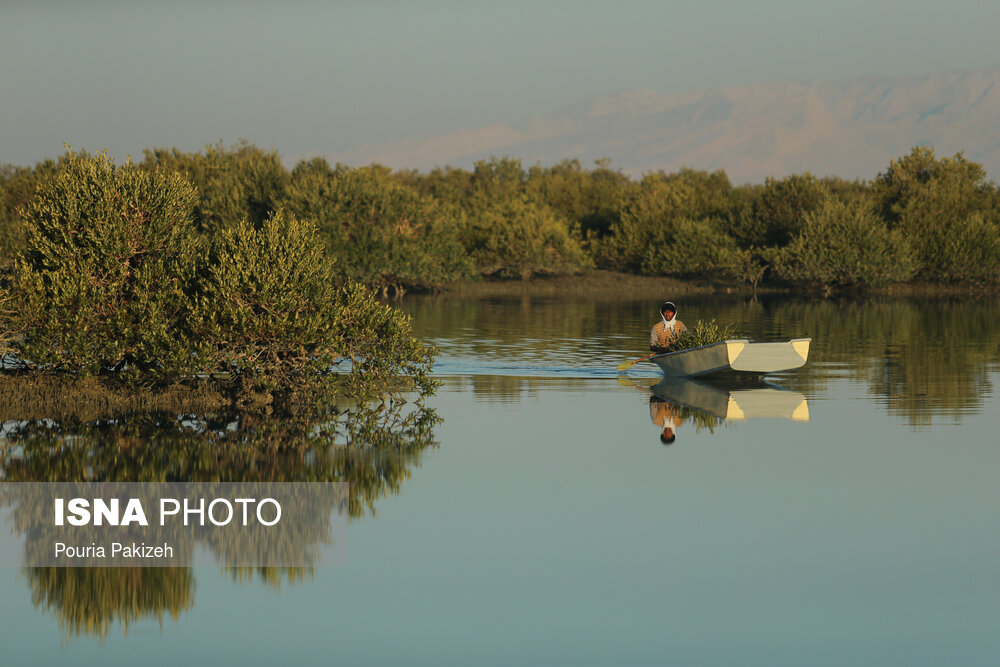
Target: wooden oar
629,364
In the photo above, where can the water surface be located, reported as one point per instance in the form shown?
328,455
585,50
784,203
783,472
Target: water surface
547,524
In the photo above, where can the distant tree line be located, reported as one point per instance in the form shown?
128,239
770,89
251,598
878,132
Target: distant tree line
924,219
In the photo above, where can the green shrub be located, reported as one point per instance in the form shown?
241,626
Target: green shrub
7,326
945,208
505,225
969,250
705,333
772,214
691,248
448,185
710,192
269,309
498,178
380,233
589,199
647,212
233,183
514,237
844,244
17,187
11,235
101,283
920,175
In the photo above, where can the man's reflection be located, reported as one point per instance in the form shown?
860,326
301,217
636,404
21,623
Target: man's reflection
664,414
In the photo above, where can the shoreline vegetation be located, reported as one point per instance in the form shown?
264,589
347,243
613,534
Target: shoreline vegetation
114,280
925,220
223,263
603,284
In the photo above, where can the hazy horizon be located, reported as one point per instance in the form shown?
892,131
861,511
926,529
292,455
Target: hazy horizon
307,78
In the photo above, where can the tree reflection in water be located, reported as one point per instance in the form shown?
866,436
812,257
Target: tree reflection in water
90,600
921,358
373,447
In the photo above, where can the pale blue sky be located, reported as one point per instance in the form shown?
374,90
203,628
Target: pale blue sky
314,77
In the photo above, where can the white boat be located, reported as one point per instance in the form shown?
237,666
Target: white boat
734,356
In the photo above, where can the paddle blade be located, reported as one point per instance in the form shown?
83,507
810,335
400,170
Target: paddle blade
627,365
630,364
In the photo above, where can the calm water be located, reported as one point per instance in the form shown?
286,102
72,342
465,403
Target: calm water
849,517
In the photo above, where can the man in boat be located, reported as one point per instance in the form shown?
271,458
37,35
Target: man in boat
664,414
666,332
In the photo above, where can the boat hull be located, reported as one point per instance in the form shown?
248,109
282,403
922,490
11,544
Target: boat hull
734,356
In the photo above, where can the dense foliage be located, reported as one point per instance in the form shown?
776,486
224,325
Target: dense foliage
268,304
705,333
949,212
509,231
925,218
115,281
515,237
377,230
844,244
235,183
101,283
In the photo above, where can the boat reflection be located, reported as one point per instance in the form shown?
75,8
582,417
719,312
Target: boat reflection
707,404
753,399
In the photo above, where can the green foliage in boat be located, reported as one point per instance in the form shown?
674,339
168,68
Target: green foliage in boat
704,332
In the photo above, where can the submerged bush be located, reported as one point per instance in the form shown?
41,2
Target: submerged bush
844,244
101,283
116,281
265,302
270,308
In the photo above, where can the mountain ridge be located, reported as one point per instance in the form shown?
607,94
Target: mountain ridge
850,128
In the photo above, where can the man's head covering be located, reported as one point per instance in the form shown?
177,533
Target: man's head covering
669,305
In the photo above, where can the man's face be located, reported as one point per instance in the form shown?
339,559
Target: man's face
669,314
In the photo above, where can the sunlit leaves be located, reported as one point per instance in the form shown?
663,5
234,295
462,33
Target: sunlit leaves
845,245
101,283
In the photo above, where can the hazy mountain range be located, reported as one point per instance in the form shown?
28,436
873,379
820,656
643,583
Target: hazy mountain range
850,128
